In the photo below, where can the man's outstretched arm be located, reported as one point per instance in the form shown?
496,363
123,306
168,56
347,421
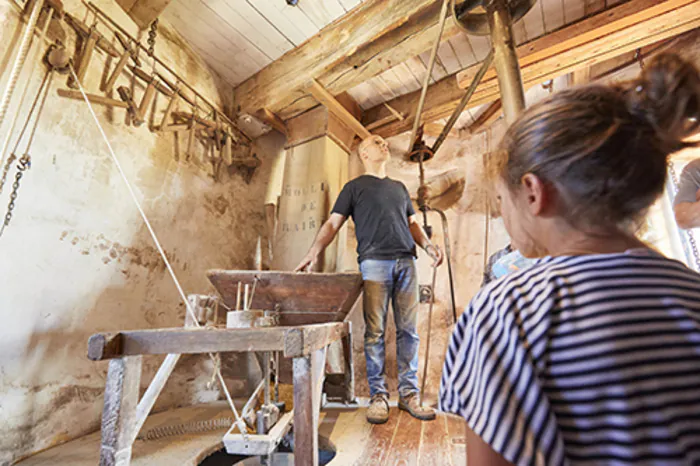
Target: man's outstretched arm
423,241
688,213
323,238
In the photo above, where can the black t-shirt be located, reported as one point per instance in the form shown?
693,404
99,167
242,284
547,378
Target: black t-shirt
380,208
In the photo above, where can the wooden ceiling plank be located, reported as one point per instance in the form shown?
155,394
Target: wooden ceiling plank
201,26
534,25
291,29
556,57
336,108
463,50
253,27
553,14
573,10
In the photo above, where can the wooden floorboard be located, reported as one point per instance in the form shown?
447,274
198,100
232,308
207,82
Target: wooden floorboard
402,441
378,444
435,445
456,434
405,446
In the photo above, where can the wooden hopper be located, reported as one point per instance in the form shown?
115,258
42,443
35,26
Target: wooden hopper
301,298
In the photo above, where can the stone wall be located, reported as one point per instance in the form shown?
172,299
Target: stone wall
77,258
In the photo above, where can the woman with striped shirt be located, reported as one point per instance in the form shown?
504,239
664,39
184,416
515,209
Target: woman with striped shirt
592,355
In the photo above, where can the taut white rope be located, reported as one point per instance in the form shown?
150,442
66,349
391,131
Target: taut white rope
239,421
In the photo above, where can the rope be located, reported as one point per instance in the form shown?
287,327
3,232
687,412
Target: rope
19,61
6,142
239,421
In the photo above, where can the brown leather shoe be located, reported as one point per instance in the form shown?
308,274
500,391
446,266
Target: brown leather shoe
411,404
378,412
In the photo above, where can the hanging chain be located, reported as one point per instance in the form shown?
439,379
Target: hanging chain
152,34
6,170
13,154
25,161
689,233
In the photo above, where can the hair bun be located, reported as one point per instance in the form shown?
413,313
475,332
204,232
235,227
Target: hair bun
667,96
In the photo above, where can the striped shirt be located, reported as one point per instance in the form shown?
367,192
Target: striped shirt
582,360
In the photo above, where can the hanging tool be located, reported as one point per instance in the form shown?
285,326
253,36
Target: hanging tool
125,94
148,95
121,64
165,121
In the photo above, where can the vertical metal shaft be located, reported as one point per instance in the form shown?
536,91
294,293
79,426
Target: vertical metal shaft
510,81
266,376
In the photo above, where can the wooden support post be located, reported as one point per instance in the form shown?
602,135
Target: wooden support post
149,398
308,380
337,109
119,412
269,118
349,369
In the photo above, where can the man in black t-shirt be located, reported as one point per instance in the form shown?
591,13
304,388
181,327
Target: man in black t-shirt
387,230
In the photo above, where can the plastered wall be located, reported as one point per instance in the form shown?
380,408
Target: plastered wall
77,259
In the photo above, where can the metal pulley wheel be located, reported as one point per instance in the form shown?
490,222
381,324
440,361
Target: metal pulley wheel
471,15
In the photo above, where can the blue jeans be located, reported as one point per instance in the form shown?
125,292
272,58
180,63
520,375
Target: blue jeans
394,280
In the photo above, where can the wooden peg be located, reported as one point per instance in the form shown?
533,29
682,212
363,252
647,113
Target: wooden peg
165,122
226,150
109,84
191,138
146,101
85,56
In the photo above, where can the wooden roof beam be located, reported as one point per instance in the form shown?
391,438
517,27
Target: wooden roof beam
336,108
371,38
490,114
601,37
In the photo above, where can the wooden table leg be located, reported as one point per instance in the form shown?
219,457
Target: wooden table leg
308,382
119,412
349,367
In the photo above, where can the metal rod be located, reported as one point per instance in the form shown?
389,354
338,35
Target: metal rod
448,254
465,100
426,81
427,342
266,376
95,9
510,81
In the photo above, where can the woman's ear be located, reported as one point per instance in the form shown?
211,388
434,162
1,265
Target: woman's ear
535,192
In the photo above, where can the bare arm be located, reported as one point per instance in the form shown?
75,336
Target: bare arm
423,241
480,452
323,238
688,214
